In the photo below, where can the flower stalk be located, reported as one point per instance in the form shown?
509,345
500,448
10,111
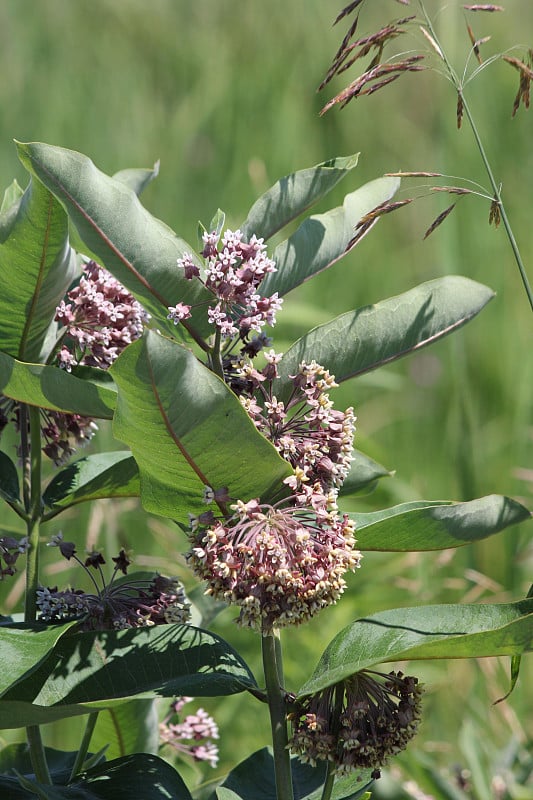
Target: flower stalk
278,715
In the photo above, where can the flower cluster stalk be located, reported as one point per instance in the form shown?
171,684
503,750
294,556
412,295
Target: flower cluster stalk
278,714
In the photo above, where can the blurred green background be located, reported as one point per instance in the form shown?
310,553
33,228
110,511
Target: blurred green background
223,93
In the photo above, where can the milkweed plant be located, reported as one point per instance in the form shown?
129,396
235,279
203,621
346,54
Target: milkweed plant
107,314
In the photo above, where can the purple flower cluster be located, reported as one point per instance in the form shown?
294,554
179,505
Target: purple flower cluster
100,319
10,550
359,723
115,605
233,272
191,736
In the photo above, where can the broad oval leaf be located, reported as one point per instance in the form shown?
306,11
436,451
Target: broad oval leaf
37,265
435,525
323,239
112,474
361,340
53,388
139,250
137,178
441,631
363,475
23,648
293,194
186,430
94,670
132,727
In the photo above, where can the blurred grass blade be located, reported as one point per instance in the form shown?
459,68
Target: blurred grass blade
361,340
165,390
425,632
37,265
435,525
119,233
112,474
323,239
293,194
53,388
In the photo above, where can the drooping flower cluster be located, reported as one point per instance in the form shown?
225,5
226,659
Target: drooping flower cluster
193,735
281,564
115,605
100,317
359,723
10,550
234,270
62,433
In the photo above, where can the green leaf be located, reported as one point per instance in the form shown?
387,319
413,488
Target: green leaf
424,525
94,670
132,727
138,249
112,474
363,476
323,239
53,388
441,631
137,179
293,194
253,779
9,479
11,197
37,265
22,649
361,340
199,434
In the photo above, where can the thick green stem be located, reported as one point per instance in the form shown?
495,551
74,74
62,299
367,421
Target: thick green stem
84,746
486,163
278,713
328,783
31,482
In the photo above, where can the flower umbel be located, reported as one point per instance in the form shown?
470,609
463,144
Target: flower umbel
192,736
359,723
281,564
115,605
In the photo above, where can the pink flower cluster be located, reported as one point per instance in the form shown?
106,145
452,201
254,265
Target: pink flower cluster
233,272
101,318
192,736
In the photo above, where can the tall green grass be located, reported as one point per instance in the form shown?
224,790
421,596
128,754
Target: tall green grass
223,93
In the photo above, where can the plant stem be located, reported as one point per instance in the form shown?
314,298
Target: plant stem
486,163
31,487
328,783
278,711
84,746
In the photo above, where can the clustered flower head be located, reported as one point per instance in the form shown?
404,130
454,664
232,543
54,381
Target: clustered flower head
315,438
191,736
10,550
115,605
281,564
100,317
233,272
359,723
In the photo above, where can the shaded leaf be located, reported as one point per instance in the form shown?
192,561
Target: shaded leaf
132,727
23,648
9,479
323,239
112,474
361,340
199,434
51,387
118,232
11,197
137,178
253,779
37,265
440,631
423,525
293,194
102,667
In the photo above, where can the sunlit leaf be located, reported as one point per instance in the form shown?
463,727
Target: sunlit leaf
425,632
22,649
435,525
